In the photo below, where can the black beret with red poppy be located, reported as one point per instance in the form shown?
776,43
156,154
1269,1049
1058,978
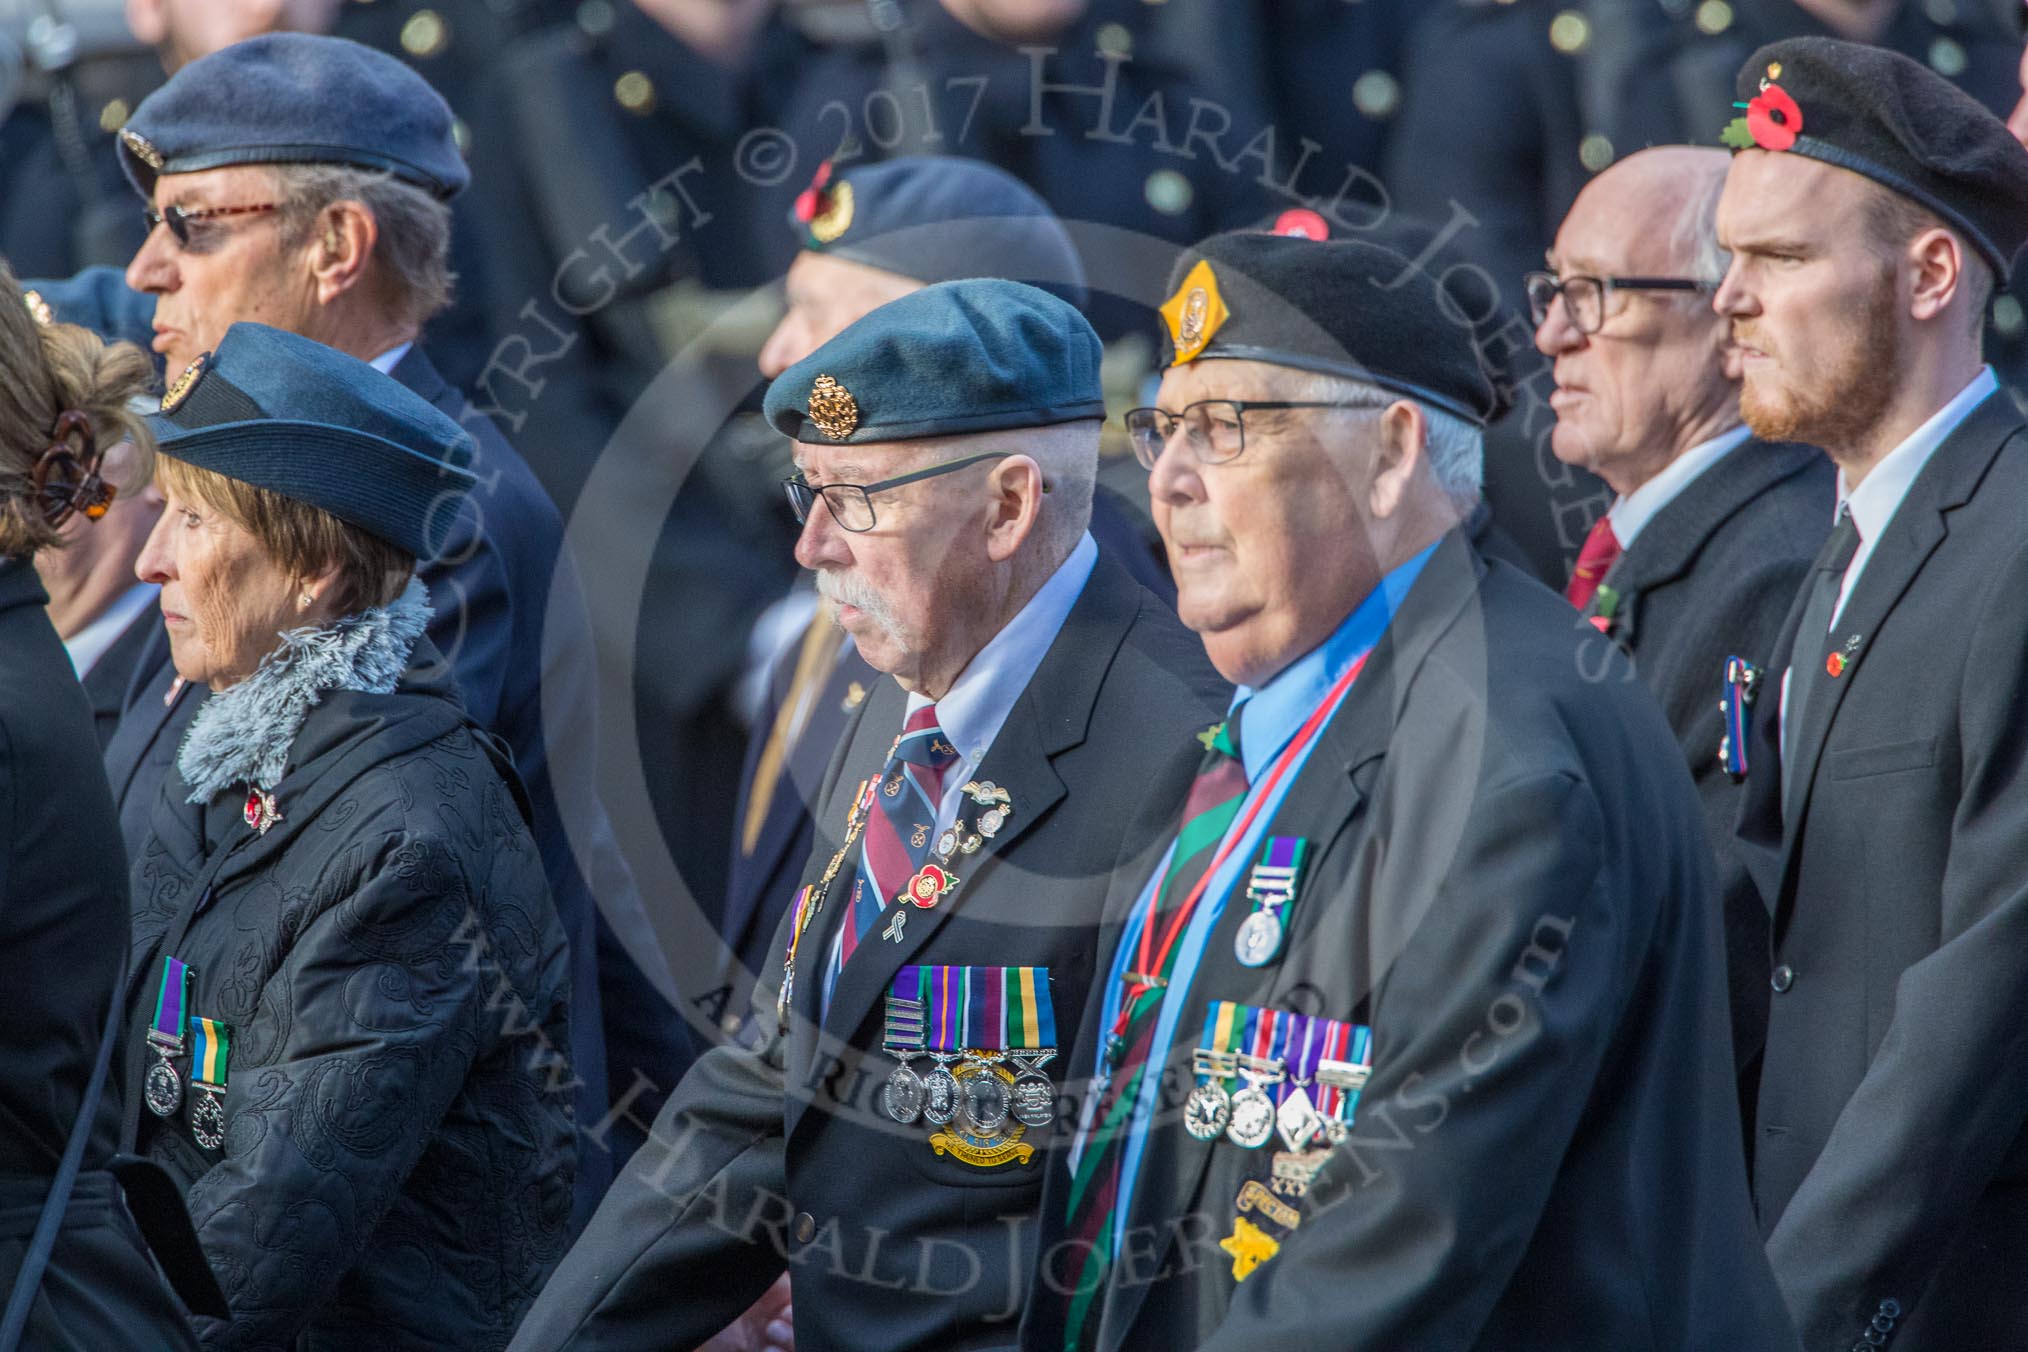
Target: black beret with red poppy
1897,122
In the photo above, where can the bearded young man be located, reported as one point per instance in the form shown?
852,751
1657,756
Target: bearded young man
1888,791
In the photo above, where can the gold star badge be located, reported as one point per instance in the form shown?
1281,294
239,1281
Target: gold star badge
833,408
1195,312
1250,1246
173,397
142,149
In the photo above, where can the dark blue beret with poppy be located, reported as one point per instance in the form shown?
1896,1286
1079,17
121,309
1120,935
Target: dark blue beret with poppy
288,414
1897,122
295,98
939,218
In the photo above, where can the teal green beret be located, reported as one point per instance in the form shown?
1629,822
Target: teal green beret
958,357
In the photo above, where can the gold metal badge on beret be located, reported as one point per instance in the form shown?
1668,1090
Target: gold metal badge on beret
833,408
144,151
173,397
1195,312
835,216
38,308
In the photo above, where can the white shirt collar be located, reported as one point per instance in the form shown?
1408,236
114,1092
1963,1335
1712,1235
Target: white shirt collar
90,643
1631,513
1874,501
978,702
388,360
1878,497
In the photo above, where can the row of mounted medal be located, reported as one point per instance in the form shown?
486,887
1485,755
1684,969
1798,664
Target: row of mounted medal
1302,1078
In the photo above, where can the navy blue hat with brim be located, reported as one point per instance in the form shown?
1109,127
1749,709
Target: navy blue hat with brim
954,358
288,414
894,215
1383,308
295,98
1897,122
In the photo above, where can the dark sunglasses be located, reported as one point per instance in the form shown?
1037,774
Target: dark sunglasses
178,219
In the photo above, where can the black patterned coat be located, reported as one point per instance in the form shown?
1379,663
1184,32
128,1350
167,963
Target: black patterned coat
397,1162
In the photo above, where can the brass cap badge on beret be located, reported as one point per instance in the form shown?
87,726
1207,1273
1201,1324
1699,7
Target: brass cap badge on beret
1195,312
143,150
173,397
833,408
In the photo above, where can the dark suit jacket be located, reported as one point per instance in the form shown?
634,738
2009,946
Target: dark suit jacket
112,676
1711,577
1891,1167
1510,886
896,1246
63,928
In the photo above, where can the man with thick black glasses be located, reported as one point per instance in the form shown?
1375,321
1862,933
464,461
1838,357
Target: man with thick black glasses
1038,714
1711,531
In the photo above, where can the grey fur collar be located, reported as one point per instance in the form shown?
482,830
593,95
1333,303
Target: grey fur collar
243,735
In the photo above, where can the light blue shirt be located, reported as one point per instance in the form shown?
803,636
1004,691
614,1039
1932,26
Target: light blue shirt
1273,715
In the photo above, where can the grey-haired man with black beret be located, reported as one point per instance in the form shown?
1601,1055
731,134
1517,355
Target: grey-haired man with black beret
1417,1036
302,181
888,1137
1870,212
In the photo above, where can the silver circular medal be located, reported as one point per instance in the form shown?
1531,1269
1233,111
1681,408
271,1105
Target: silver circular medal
986,1103
163,1090
207,1121
940,1096
1253,1118
902,1096
1207,1110
1259,938
1034,1099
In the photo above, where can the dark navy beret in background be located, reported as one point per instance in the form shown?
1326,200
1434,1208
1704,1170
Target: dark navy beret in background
958,357
99,299
295,98
1897,122
1370,308
939,219
288,414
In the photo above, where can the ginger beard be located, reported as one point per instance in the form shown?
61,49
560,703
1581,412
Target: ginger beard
1834,395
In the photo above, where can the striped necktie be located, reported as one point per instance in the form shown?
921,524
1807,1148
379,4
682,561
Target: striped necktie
1208,812
897,839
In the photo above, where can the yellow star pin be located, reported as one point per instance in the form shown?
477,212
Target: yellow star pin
1250,1246
1195,312
1209,736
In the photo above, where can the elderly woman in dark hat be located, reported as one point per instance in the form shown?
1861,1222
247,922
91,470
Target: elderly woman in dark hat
347,1020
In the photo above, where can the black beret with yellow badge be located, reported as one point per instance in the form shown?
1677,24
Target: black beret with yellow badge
1376,308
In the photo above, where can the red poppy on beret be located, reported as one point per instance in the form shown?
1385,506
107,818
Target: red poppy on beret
810,201
1774,119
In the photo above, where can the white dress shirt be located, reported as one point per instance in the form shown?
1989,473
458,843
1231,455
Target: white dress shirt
90,643
1631,512
1879,495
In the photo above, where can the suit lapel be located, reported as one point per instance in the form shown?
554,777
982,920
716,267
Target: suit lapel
1668,546
1911,535
1051,715
1328,794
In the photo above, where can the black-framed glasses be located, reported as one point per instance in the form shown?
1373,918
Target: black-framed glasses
178,219
1214,429
852,504
1584,298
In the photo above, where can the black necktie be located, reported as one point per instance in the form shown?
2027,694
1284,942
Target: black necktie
1813,635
